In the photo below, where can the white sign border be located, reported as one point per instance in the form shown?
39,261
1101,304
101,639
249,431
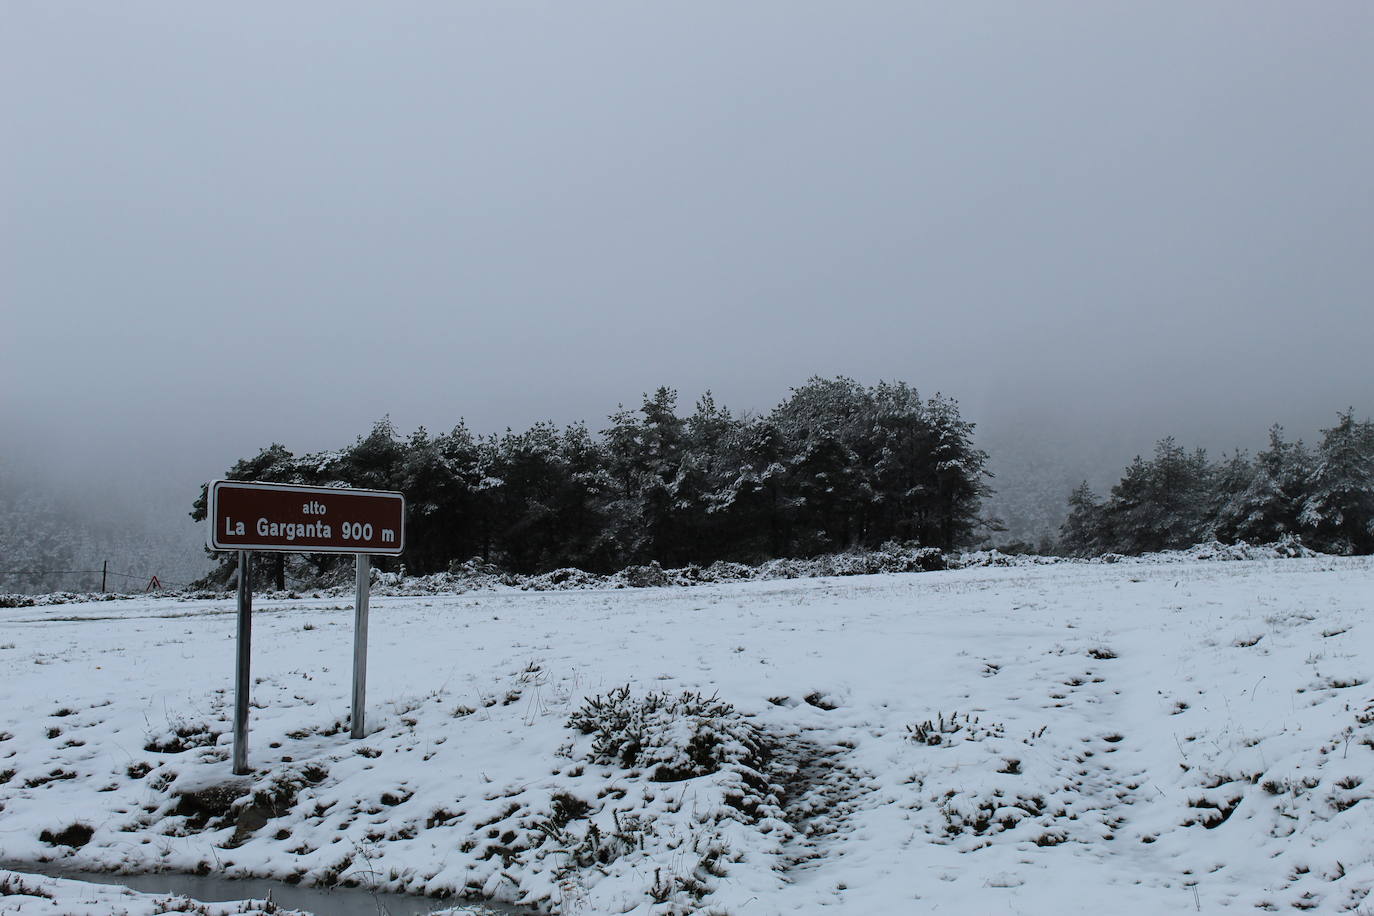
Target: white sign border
212,500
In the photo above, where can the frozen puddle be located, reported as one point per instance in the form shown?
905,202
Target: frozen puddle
339,901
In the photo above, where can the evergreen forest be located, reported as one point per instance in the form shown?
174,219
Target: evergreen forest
1323,495
836,466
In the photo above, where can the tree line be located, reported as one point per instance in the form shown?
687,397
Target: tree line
1178,498
836,466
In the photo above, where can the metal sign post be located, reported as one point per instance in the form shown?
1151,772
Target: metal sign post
363,571
242,683
285,518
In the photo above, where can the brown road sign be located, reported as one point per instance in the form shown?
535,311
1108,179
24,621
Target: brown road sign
282,517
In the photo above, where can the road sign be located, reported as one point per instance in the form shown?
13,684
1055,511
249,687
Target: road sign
283,517
247,516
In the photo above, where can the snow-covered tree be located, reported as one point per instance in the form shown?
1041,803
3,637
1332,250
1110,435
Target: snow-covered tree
1268,505
1339,503
1083,534
1160,504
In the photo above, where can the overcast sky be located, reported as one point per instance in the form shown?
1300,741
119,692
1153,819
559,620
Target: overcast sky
231,224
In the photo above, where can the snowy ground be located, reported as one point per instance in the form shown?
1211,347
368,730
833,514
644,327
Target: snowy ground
1058,739
25,893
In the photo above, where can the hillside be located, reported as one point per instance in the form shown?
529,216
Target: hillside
1072,738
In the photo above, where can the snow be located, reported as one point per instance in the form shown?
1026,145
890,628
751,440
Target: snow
35,894
1128,737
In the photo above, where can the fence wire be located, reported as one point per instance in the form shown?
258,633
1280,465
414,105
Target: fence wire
36,573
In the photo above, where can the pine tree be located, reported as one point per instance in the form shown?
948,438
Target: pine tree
753,501
1083,533
445,515
959,475
1161,504
537,483
824,423
1231,480
374,461
624,451
1268,506
661,439
709,463
903,453
1339,503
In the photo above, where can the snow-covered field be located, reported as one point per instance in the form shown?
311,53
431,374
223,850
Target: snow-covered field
1073,738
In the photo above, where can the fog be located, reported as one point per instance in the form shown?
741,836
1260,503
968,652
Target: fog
1094,224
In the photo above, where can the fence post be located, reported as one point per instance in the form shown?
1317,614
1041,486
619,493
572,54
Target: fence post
104,571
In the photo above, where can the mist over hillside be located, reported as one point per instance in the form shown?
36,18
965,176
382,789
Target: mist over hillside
61,519
58,533
124,496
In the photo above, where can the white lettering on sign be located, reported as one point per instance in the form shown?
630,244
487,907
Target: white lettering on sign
356,531
301,519
291,530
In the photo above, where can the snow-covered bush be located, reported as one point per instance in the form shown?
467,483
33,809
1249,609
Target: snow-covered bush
724,571
473,567
181,736
650,576
671,737
566,578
